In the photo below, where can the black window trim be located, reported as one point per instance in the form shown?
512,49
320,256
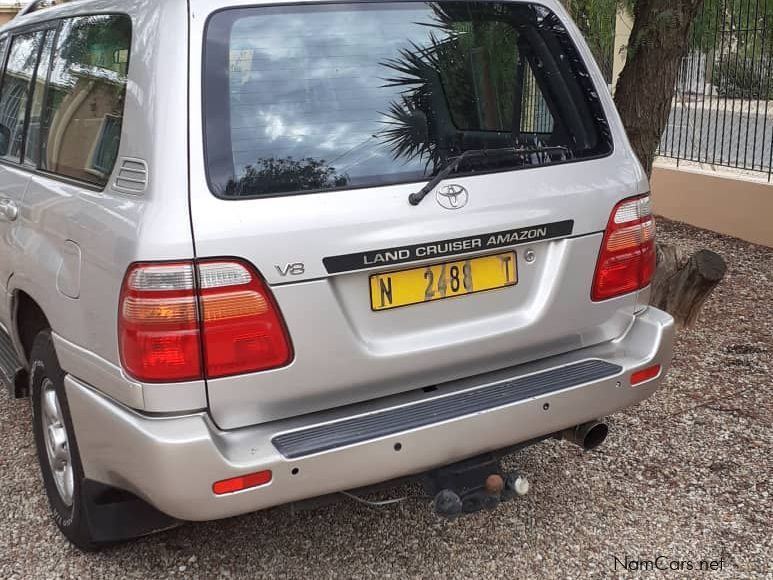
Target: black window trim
44,24
46,31
10,38
44,112
4,38
606,134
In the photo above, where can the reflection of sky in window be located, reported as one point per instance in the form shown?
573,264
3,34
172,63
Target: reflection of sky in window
310,85
60,74
81,55
21,62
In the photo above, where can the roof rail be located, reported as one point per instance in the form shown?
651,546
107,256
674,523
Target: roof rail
36,5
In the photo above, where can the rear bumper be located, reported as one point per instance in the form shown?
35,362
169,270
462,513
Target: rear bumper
172,462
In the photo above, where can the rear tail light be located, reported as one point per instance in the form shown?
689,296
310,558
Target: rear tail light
158,323
185,321
627,259
242,329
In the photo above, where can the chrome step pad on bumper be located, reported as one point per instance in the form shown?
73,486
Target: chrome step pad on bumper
12,375
321,438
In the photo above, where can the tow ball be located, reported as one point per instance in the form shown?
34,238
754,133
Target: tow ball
473,485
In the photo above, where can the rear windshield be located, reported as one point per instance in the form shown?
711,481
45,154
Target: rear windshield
320,97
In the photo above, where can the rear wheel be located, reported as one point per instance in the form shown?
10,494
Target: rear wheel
57,450
89,514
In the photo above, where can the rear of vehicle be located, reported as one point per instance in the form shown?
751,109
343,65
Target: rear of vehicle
348,330
338,322
319,122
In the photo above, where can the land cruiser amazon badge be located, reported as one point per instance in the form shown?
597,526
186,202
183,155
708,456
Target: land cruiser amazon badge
454,247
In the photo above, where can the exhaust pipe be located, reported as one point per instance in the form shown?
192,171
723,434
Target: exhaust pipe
588,435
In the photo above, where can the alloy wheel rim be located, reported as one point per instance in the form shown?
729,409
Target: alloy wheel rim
56,442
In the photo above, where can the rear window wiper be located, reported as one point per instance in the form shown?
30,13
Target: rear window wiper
417,197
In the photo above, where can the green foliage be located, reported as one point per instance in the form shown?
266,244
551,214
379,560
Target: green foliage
740,32
734,23
597,19
744,78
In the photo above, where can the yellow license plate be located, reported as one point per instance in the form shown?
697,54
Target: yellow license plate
439,281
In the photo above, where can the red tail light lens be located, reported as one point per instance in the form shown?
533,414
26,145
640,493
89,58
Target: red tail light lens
242,330
627,259
158,325
167,320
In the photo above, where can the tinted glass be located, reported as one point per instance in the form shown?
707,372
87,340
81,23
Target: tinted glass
83,115
14,95
357,95
32,147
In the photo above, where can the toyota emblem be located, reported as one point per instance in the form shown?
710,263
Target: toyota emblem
452,196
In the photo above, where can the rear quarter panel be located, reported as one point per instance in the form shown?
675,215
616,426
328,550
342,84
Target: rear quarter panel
113,229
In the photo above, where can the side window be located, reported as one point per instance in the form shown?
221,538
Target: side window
14,95
476,76
83,115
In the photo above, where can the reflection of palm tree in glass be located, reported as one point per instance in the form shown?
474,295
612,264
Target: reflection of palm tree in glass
460,79
419,125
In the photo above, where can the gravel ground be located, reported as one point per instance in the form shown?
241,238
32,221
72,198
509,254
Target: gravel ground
685,475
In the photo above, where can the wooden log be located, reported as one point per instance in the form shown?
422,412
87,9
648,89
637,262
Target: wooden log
683,283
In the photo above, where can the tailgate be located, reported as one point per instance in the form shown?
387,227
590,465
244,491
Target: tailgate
306,169
345,351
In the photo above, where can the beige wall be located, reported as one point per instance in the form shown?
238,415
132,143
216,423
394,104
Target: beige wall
623,28
6,16
735,206
77,125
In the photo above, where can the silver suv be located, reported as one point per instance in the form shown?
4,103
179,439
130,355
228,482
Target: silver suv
252,254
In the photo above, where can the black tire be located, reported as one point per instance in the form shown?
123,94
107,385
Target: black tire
98,514
71,519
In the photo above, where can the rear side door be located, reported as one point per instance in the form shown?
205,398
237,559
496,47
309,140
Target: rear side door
26,57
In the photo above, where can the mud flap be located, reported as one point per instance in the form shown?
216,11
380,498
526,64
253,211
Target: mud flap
13,375
116,516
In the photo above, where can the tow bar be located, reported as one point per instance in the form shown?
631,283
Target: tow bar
472,485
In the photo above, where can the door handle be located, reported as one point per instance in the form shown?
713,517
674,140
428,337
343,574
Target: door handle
9,210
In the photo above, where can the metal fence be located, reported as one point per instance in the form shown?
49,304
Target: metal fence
535,113
722,113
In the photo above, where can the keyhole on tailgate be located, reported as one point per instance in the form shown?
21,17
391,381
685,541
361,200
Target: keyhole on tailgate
398,446
295,471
